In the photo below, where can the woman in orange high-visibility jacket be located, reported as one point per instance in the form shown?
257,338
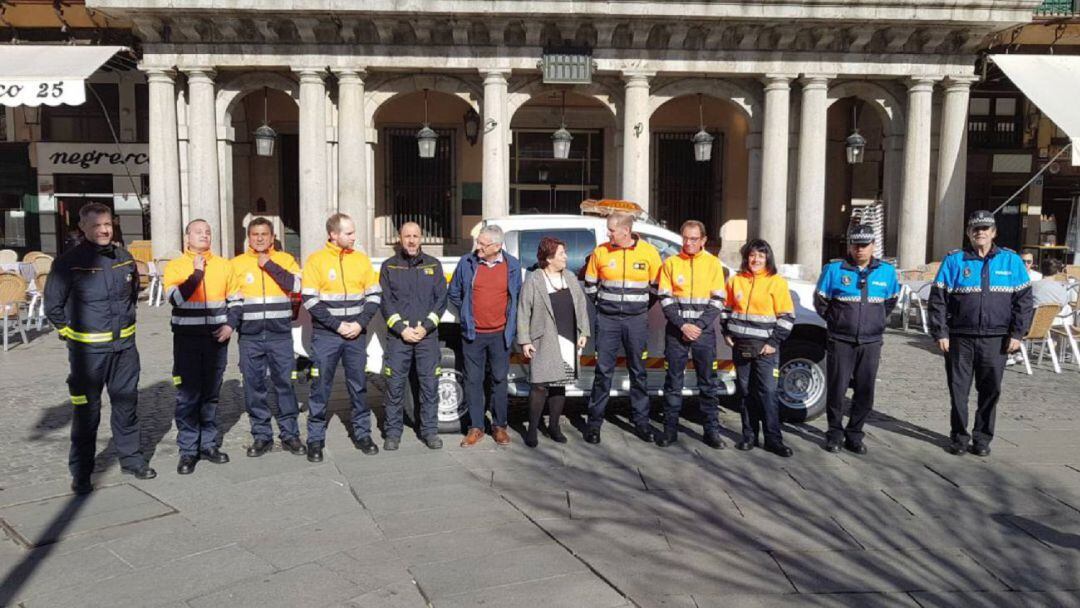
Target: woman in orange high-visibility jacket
758,317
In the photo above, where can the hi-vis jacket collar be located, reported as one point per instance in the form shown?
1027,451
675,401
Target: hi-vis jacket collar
687,256
969,253
332,246
209,255
251,251
633,235
849,264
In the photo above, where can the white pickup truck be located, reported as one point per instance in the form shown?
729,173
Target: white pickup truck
802,355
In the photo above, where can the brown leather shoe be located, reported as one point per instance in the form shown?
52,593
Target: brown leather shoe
500,435
474,437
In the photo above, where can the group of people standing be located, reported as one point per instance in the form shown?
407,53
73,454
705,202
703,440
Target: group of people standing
980,308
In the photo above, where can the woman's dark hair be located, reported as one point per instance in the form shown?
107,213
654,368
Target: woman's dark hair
762,246
546,250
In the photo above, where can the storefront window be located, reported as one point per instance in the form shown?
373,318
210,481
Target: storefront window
12,221
86,122
142,113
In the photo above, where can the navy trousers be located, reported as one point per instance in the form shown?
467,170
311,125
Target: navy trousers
857,365
400,358
329,350
630,334
756,381
90,373
703,352
981,358
488,353
257,356
198,365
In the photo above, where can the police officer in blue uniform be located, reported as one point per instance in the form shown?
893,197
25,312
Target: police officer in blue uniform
855,296
413,302
90,299
980,310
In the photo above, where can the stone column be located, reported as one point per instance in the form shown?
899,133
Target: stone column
952,167
774,165
635,131
915,204
892,189
810,196
352,154
313,209
753,185
495,147
165,221
203,151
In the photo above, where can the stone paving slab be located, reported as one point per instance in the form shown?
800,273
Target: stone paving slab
562,591
476,575
454,545
716,571
282,589
999,599
907,570
45,521
800,600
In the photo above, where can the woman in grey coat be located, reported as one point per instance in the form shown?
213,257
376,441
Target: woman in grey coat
552,328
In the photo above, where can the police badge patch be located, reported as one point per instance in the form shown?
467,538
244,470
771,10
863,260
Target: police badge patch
250,278
967,271
846,280
333,275
680,279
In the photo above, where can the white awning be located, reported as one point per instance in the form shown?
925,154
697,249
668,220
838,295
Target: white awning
1051,82
32,75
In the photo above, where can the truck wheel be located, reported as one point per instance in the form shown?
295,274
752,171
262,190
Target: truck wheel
452,406
801,387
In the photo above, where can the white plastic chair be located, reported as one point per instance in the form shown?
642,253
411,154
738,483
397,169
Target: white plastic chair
35,314
12,298
8,256
1040,332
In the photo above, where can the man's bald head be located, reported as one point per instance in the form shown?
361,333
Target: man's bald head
410,235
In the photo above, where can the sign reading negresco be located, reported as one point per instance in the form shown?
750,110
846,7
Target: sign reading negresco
60,157
86,160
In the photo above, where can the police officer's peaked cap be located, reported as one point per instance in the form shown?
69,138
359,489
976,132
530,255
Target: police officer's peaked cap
980,218
861,234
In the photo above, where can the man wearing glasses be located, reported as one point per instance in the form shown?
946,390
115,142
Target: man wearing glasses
855,296
980,309
1029,263
485,289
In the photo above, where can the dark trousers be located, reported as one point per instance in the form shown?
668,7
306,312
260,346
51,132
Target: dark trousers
91,372
703,352
400,358
857,365
630,334
756,381
982,358
327,351
488,353
256,357
198,364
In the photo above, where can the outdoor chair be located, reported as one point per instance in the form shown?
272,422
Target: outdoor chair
36,310
1040,332
30,255
1073,271
914,299
12,299
141,250
42,264
8,256
157,277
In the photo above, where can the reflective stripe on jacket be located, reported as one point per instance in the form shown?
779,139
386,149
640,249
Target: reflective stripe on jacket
90,297
759,307
692,289
262,294
623,280
199,297
340,285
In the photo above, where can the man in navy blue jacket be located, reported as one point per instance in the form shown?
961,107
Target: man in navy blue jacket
980,310
485,289
855,296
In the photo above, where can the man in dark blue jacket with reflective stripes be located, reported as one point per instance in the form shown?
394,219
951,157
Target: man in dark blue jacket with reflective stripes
90,299
980,310
413,302
855,296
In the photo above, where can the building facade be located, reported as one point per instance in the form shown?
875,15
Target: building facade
779,85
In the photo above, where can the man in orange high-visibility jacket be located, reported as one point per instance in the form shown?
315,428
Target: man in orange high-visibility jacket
198,285
341,291
692,296
621,276
264,279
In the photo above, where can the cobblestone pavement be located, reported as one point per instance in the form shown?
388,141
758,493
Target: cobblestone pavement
621,524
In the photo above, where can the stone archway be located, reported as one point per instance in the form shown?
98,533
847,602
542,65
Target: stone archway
746,99
379,94
238,162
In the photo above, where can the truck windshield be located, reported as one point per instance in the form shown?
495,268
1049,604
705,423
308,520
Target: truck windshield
579,244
